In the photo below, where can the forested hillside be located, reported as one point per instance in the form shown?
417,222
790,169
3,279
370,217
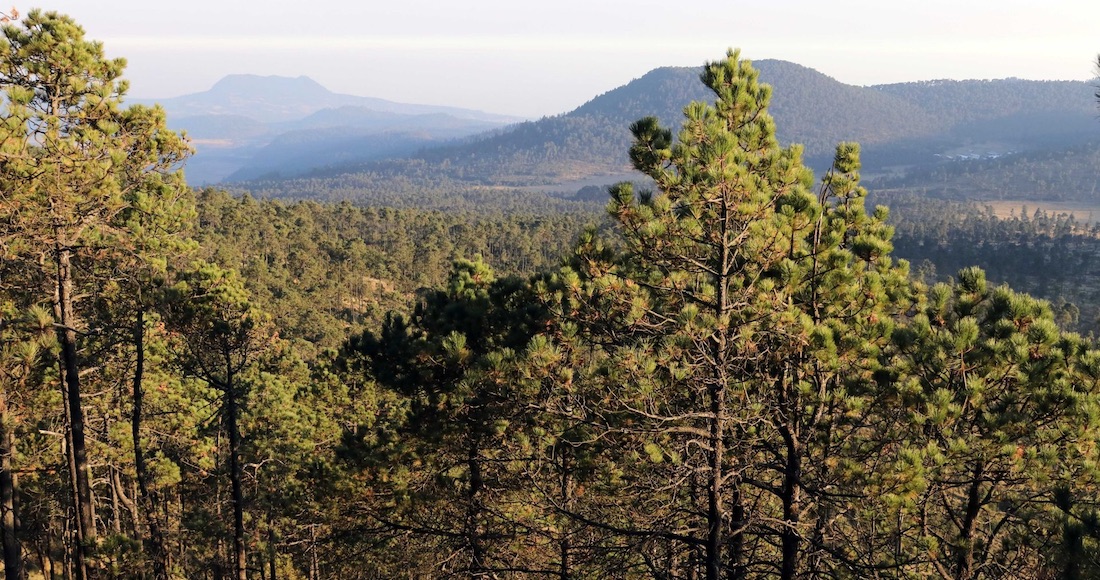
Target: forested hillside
906,129
1048,255
329,271
1062,173
812,109
730,374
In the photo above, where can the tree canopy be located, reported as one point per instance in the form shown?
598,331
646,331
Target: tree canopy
731,375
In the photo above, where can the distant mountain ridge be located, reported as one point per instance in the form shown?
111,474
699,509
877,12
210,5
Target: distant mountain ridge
247,126
810,107
311,132
898,125
276,99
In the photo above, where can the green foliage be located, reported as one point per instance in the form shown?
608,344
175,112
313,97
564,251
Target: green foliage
325,272
78,172
63,133
996,405
735,379
451,469
743,322
1050,256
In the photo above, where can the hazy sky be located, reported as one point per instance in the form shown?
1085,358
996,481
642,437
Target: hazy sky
534,58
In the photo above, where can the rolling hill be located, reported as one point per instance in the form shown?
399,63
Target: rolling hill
900,126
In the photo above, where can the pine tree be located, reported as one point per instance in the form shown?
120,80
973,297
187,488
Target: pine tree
451,465
745,316
221,336
25,339
71,160
1001,405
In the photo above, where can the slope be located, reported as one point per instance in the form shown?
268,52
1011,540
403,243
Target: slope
906,125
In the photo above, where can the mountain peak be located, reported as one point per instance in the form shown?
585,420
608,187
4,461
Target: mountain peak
301,86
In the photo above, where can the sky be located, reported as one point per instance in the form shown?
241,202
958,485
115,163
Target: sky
533,59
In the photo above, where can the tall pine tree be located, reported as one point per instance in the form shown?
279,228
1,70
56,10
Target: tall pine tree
745,316
71,160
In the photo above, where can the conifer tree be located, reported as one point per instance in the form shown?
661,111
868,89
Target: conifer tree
71,159
25,339
450,466
746,315
1001,404
221,336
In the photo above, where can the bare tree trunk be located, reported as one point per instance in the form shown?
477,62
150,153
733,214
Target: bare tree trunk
473,512
272,554
116,510
792,505
155,541
127,504
716,475
565,566
314,568
222,560
69,540
69,553
45,560
964,565
66,335
13,552
231,412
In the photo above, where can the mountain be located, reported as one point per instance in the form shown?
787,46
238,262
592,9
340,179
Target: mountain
246,126
900,126
274,99
335,136
809,108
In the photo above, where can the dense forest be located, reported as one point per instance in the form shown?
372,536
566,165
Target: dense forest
1056,174
1048,255
729,374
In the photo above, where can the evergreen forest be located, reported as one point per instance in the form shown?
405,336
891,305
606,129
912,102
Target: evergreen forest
739,369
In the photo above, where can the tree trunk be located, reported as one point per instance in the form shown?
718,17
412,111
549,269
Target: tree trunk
155,542
792,505
45,561
314,566
737,536
717,392
125,503
13,553
964,565
222,559
272,553
565,547
473,512
231,420
66,335
69,554
116,511
716,475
